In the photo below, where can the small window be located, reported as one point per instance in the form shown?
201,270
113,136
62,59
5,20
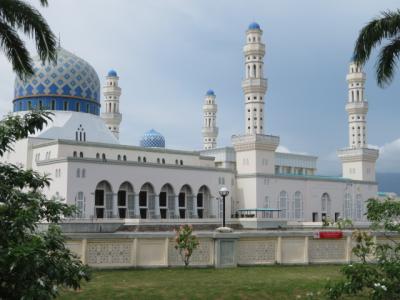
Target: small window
176,161
103,156
81,154
65,105
119,157
78,106
124,157
53,105
83,173
163,161
144,159
75,154
78,172
139,159
98,155
181,162
158,160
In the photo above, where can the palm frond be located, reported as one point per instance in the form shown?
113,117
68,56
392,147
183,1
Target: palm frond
387,62
44,2
15,50
371,35
21,15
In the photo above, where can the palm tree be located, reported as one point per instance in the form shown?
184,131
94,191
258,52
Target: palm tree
384,28
17,15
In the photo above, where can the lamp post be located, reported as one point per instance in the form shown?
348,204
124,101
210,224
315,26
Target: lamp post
223,192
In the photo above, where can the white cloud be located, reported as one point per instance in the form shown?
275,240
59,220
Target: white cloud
389,157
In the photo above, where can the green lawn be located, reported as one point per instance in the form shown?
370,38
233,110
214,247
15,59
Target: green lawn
267,282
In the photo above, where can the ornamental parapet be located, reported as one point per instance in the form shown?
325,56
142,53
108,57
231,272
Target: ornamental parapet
210,130
357,154
356,77
254,85
254,48
255,142
357,107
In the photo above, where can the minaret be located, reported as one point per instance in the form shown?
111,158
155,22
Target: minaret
112,117
254,85
358,161
210,129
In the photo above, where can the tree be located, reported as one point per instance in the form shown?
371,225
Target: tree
17,15
186,242
33,262
376,274
385,27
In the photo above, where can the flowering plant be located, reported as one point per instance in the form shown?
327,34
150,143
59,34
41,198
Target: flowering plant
186,242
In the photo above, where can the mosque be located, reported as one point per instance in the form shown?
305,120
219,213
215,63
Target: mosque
105,179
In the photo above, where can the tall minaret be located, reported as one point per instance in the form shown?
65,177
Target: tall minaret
210,129
112,117
358,162
254,85
357,107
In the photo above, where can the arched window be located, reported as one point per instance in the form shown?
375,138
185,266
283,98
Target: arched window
81,154
358,95
298,205
254,71
352,96
103,156
348,206
139,159
283,205
158,160
181,162
144,159
124,157
98,155
163,161
248,71
325,205
119,157
176,161
80,205
75,154
83,173
78,172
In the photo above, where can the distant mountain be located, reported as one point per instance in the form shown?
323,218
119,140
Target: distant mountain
388,182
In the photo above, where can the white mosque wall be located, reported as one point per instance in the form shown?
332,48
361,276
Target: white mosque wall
299,198
68,184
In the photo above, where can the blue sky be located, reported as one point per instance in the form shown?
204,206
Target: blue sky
168,53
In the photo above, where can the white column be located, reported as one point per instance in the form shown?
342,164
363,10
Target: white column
157,207
176,213
195,215
136,205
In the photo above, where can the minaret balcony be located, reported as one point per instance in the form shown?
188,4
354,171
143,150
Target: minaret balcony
356,77
210,131
254,85
357,107
256,48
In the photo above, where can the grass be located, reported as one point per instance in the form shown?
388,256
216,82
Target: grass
266,282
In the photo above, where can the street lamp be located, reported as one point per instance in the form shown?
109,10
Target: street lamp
223,192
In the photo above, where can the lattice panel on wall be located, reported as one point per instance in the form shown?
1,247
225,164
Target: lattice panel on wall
112,252
326,250
260,251
201,256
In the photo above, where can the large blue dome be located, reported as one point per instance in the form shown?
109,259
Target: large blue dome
210,92
152,139
70,84
253,26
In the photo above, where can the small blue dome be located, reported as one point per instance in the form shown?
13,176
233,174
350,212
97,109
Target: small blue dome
112,73
210,93
152,139
254,25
